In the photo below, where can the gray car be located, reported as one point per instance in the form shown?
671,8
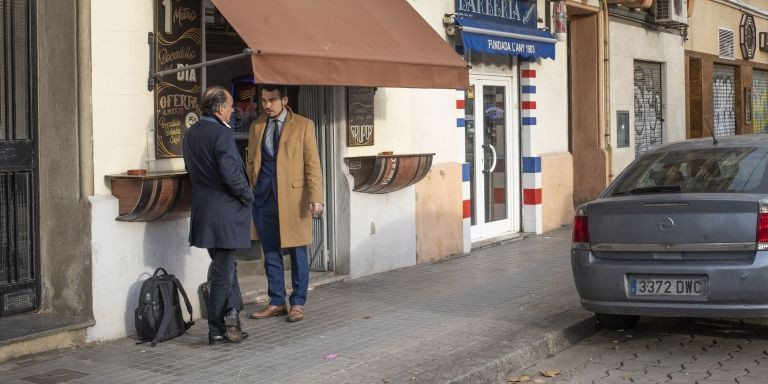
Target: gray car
682,231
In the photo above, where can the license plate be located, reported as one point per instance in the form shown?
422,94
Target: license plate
665,286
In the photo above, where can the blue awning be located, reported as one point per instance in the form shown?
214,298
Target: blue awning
501,39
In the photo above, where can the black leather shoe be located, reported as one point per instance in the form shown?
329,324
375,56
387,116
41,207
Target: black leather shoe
232,319
214,340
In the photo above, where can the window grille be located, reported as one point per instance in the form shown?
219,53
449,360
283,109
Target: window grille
725,43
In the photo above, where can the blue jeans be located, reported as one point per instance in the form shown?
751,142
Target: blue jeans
224,291
266,219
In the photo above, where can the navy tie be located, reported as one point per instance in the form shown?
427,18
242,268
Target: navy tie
272,137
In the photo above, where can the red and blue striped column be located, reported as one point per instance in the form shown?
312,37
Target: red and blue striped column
465,171
532,221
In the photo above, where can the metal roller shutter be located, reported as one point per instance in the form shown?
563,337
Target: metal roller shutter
760,101
724,79
648,106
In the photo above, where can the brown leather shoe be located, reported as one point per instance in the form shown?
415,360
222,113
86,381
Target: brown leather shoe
269,311
296,313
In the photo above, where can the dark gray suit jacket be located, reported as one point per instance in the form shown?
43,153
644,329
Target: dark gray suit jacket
222,196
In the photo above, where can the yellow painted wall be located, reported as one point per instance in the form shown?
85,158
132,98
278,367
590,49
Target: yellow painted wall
708,15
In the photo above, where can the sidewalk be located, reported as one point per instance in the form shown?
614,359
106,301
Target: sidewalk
473,318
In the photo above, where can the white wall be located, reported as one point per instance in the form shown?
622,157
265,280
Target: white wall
123,108
648,46
552,102
125,254
383,227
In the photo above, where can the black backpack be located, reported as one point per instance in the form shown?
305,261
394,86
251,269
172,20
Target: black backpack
158,317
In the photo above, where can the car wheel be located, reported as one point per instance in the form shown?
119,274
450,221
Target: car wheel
614,322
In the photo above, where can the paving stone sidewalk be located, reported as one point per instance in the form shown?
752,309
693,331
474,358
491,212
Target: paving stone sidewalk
666,350
473,318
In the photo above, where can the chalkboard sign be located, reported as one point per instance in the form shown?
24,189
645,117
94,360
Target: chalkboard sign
360,121
178,34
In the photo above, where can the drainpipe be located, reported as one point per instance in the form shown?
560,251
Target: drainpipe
607,85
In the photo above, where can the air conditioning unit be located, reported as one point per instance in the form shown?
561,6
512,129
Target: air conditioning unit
673,13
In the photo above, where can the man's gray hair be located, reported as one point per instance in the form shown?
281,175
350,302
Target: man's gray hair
214,98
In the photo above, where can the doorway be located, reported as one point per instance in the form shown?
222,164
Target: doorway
492,151
585,104
19,251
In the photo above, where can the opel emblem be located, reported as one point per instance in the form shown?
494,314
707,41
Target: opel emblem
667,225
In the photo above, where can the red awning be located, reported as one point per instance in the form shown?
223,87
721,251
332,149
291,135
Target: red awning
381,43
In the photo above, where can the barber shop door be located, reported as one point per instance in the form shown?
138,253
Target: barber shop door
19,253
491,149
315,103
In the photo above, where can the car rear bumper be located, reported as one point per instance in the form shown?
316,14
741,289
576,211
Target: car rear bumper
737,288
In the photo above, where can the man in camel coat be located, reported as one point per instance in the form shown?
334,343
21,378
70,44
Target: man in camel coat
284,169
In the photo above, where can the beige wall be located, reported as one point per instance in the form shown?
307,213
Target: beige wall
439,230
557,190
710,14
647,45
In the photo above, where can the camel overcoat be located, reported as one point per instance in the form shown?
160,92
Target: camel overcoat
299,178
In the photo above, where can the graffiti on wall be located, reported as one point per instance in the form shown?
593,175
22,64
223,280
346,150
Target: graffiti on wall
724,111
760,101
648,106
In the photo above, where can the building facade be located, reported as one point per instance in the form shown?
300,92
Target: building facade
726,69
82,116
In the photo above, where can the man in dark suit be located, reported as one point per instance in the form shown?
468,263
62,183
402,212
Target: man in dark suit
221,209
284,168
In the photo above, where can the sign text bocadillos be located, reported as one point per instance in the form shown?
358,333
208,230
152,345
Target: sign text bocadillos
178,33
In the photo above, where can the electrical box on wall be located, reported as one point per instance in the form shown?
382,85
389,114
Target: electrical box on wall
622,129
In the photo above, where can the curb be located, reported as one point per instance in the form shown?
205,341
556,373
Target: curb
535,350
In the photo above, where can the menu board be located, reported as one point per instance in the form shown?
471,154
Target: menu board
360,119
178,43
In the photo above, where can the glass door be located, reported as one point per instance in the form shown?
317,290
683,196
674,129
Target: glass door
492,152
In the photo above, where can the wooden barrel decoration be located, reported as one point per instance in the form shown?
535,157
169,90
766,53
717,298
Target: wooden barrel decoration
388,173
152,196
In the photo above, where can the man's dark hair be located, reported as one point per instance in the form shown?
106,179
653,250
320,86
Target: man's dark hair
282,90
213,99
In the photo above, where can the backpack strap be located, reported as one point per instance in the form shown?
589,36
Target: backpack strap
186,301
167,308
157,272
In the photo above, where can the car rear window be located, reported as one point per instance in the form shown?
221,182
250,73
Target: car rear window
739,169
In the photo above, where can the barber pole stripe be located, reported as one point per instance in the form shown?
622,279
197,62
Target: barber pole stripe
532,191
527,73
466,203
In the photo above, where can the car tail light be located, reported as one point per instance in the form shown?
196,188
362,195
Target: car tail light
762,226
580,237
